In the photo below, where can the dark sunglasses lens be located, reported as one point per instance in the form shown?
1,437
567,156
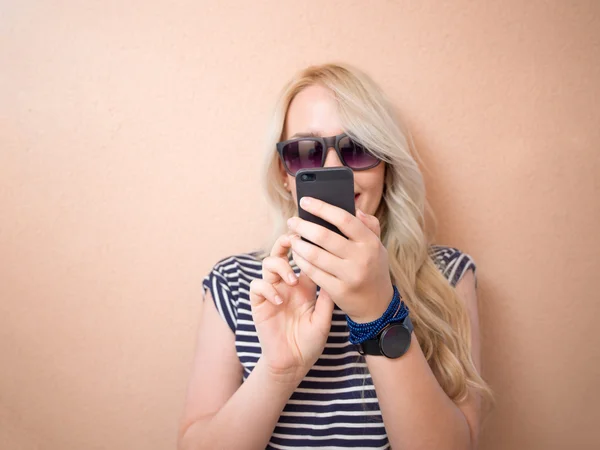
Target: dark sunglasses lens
355,155
302,155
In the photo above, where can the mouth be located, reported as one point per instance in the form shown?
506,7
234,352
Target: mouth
356,197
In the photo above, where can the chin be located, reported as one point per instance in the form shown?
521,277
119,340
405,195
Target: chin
364,208
362,203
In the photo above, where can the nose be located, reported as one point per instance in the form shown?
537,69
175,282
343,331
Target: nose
332,159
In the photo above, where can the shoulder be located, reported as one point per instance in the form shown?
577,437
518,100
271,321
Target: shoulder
453,263
239,265
228,283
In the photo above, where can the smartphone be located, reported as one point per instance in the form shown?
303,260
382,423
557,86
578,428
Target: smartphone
333,185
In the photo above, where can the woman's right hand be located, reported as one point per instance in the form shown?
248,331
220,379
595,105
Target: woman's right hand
292,325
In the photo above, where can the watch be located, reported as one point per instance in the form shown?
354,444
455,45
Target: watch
393,341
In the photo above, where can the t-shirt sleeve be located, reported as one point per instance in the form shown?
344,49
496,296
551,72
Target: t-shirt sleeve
218,282
453,263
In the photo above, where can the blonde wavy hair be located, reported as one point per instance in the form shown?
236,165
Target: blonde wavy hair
439,316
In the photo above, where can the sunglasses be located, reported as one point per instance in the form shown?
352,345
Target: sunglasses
310,153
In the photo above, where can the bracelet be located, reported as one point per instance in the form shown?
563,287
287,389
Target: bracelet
395,312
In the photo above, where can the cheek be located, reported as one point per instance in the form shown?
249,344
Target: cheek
292,187
371,183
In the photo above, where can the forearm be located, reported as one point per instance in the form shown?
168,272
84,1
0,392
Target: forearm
416,411
248,418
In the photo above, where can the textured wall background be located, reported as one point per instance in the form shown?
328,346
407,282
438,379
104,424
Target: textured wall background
130,135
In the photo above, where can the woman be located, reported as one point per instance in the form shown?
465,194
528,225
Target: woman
274,366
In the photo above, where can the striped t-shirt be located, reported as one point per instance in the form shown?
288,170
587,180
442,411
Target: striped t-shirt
335,406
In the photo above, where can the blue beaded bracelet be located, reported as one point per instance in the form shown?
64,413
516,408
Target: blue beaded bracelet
395,312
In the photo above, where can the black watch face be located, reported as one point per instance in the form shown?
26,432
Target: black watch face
394,341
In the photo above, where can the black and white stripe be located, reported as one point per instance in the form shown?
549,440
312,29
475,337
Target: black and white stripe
452,262
335,406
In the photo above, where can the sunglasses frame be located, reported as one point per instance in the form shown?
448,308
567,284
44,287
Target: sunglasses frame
327,142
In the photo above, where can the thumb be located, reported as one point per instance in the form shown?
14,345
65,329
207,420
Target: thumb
323,312
371,222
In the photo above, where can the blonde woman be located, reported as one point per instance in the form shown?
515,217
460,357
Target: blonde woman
369,341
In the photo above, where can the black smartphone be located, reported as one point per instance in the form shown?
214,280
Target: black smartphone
333,185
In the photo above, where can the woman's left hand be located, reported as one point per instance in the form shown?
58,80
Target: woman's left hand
354,271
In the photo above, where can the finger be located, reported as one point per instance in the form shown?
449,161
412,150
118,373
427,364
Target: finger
370,221
332,242
281,246
348,224
261,291
276,269
318,276
318,257
308,284
323,312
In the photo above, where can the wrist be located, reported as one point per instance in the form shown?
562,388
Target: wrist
396,311
286,379
376,307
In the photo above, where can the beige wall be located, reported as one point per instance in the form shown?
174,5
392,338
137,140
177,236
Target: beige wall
130,135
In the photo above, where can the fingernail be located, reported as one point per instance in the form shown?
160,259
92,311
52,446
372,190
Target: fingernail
360,213
278,300
292,278
305,201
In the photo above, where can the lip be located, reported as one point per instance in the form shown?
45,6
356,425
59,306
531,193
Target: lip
356,196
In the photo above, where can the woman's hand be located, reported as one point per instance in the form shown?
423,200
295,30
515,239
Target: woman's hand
354,271
292,325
